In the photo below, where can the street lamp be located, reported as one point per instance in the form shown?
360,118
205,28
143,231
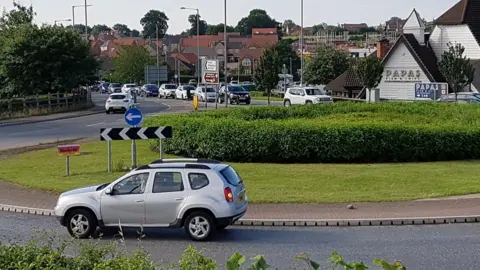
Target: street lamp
225,55
73,16
198,45
301,43
66,20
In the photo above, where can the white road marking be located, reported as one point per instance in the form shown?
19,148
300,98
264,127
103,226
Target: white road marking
97,124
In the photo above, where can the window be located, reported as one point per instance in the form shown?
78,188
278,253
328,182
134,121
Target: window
117,96
167,182
198,180
134,184
231,176
300,92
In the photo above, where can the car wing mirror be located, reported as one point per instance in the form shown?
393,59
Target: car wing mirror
108,191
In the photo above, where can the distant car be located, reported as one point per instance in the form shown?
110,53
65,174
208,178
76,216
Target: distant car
234,82
118,102
305,95
114,88
126,88
184,92
235,94
462,97
193,82
149,90
104,87
167,90
208,93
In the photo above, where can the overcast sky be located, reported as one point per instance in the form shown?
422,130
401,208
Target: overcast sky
129,12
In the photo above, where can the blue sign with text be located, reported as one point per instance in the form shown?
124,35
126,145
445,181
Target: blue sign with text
430,90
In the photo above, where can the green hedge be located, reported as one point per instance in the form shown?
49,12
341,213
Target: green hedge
113,256
339,132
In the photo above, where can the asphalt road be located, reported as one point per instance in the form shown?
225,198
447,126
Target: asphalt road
88,126
418,247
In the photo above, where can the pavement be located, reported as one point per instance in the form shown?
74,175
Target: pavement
441,247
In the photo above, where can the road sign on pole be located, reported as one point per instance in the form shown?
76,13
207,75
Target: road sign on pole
211,78
135,133
210,71
133,117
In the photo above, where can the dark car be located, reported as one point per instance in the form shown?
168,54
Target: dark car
104,87
235,94
149,90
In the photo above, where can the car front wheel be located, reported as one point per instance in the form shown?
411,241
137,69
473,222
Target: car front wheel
81,223
199,226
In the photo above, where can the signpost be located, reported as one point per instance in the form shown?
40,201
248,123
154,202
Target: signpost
134,133
68,151
430,90
133,117
210,75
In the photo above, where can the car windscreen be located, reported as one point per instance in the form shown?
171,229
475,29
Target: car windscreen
115,85
151,87
209,90
231,176
117,96
170,86
235,89
314,92
188,87
130,85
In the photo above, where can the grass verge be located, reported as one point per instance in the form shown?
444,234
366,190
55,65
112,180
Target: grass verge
266,183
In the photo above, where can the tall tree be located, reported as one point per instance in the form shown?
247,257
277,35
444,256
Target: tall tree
456,68
130,62
326,65
17,16
257,18
100,28
152,20
218,28
135,33
122,29
369,70
287,26
192,19
267,70
80,28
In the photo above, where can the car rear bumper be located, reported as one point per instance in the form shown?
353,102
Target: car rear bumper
225,221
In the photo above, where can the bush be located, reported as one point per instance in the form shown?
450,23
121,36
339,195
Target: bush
94,257
340,132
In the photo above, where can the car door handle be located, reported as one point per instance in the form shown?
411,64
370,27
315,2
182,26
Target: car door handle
138,201
178,199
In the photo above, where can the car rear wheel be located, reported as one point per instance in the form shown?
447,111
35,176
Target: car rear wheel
287,103
81,223
200,226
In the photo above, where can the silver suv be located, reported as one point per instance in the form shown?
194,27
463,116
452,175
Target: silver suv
202,196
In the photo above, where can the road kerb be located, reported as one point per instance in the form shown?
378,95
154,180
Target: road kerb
302,222
48,120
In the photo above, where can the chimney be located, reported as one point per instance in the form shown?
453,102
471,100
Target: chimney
382,47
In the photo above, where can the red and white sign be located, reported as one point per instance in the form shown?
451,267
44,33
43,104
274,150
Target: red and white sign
68,150
211,78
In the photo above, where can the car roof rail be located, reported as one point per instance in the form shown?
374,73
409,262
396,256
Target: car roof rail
185,160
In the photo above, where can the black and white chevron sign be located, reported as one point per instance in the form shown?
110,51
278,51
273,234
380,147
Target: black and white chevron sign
135,133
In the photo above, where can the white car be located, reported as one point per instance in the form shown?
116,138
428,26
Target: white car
118,102
181,92
211,93
234,82
126,88
305,95
167,90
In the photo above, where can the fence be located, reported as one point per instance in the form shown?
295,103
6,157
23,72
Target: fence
44,104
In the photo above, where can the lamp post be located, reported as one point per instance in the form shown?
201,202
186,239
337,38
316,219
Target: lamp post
301,43
66,20
158,56
198,45
73,12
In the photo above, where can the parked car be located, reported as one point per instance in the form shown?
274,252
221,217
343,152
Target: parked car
462,97
167,90
193,82
185,92
249,86
126,88
305,95
114,88
104,87
209,91
234,82
235,94
202,196
148,90
118,102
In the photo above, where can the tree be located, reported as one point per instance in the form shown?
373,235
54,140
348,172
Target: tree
192,19
130,62
151,20
218,28
326,65
135,33
369,70
267,70
80,28
122,29
456,68
257,18
19,15
100,28
288,25
26,70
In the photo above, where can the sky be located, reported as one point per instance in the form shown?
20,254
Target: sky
129,12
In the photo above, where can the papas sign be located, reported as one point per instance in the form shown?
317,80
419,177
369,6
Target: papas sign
211,78
68,150
402,75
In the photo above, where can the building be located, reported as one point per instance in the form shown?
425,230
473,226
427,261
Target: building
354,27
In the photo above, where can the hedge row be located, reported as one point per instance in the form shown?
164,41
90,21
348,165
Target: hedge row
340,133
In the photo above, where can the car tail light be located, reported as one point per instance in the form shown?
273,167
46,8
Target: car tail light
108,101
228,194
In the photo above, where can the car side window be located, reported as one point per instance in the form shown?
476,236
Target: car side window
198,180
301,92
134,184
167,182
